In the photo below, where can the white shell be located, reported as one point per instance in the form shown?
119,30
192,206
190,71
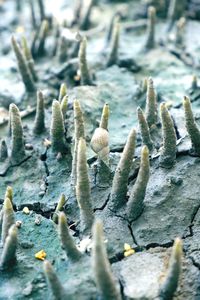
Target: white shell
100,144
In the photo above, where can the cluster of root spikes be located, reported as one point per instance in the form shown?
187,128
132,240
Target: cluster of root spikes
130,210
149,121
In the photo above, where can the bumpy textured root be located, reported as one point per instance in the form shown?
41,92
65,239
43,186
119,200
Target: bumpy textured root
41,9
170,284
151,104
113,57
39,124
194,84
3,151
57,130
180,32
83,66
59,208
63,106
66,239
62,49
17,148
191,125
8,256
23,67
33,17
135,204
83,193
42,37
53,281
103,275
144,129
9,195
8,218
62,92
150,42
79,132
86,18
175,12
100,144
105,117
168,154
29,59
120,180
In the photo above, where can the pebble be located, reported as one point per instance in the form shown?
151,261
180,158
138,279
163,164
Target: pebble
26,210
18,224
38,220
29,147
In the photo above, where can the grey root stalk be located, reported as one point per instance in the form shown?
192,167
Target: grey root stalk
150,41
23,67
120,180
83,192
102,270
168,153
113,56
67,241
17,139
53,281
79,133
83,65
151,110
144,129
191,125
57,129
39,123
170,283
135,203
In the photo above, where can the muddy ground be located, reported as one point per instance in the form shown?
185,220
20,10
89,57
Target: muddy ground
172,198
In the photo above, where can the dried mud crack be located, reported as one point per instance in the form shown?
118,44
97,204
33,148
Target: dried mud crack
99,150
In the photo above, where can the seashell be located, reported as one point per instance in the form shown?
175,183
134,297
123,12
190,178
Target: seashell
100,144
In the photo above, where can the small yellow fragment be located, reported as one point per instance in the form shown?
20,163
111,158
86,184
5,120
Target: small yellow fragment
41,255
20,29
47,143
26,210
128,250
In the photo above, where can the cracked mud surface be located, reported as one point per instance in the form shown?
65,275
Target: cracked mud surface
172,201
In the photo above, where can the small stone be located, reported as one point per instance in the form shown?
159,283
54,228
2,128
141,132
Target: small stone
175,180
47,143
38,220
26,210
29,147
42,187
18,224
42,193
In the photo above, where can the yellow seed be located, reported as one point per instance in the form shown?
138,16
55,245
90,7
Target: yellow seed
128,250
26,210
41,255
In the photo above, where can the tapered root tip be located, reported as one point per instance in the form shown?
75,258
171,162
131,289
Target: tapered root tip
145,152
177,247
7,204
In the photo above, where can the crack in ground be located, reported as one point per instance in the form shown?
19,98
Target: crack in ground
104,204
132,235
190,227
13,166
196,264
